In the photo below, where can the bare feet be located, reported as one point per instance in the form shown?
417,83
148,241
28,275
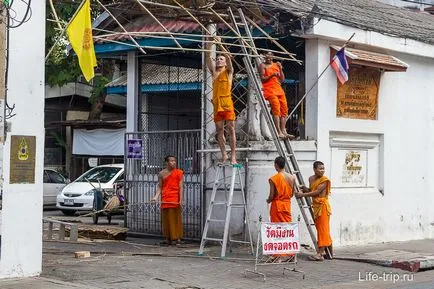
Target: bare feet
282,136
233,161
289,136
224,159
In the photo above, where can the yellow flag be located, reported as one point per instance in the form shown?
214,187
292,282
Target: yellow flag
80,36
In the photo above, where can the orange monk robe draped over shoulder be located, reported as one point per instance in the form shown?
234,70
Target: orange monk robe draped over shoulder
171,219
170,190
280,210
322,211
272,86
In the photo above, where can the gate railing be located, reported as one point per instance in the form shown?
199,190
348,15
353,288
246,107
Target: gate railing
144,159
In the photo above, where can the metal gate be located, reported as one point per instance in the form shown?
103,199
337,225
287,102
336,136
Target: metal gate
144,159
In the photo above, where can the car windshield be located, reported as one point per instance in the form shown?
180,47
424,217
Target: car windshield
99,174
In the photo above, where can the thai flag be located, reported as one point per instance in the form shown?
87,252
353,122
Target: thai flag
340,65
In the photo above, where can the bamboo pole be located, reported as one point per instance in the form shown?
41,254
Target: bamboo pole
270,38
159,23
64,30
121,26
185,49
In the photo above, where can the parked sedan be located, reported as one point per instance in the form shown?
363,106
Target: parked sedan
53,185
78,195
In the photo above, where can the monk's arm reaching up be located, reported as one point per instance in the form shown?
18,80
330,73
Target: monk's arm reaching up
208,59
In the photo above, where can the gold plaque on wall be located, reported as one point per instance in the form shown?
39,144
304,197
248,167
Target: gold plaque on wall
358,97
23,153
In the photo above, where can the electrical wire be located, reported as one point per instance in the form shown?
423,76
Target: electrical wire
12,23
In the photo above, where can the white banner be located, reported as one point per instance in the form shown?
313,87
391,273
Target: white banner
280,238
98,142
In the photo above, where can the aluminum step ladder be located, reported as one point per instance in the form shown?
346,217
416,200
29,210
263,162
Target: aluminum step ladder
221,185
284,148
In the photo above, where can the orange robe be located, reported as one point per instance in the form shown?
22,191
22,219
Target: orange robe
222,97
322,211
280,210
171,219
273,92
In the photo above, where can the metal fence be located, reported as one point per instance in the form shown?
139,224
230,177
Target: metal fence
141,178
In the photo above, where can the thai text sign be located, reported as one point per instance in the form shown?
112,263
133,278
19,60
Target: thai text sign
135,149
358,97
280,238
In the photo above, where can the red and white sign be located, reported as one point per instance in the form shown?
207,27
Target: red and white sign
280,238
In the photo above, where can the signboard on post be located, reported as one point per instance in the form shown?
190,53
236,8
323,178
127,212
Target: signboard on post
22,160
135,148
280,238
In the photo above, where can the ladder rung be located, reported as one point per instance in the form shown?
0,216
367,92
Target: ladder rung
238,241
219,203
237,205
215,220
213,239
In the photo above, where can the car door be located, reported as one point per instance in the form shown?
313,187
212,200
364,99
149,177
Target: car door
53,184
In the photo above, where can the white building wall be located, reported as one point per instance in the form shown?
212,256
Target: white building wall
21,232
404,130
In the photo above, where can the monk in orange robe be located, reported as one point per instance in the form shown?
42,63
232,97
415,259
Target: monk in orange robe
222,75
272,76
319,190
281,192
170,186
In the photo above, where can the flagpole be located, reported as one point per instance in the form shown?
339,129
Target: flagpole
64,29
317,80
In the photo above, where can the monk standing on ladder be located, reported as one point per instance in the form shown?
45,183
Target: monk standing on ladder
281,192
171,188
272,76
319,190
222,75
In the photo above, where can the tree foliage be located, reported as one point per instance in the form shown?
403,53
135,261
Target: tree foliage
60,68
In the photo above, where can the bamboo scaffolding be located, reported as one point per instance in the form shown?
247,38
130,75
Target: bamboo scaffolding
102,37
159,23
270,38
121,26
178,49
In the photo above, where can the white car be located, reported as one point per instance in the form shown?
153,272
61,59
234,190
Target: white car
78,195
53,185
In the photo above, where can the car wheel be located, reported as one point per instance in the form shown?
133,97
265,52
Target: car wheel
68,212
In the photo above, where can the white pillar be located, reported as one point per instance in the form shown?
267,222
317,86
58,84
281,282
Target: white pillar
207,106
311,123
21,231
133,91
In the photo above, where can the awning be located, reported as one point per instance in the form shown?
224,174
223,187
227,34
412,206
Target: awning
373,59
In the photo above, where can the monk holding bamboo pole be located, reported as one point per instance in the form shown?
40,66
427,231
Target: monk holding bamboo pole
171,188
222,74
319,190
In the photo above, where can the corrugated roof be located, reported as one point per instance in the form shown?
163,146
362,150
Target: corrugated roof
163,74
147,24
367,15
375,59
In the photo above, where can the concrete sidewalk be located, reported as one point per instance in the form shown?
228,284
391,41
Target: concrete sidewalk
140,263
